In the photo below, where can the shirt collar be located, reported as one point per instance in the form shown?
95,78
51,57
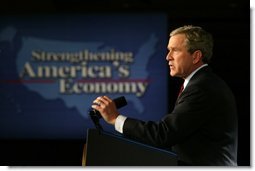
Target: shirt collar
186,81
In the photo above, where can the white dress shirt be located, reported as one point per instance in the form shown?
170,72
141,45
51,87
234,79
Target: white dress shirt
120,120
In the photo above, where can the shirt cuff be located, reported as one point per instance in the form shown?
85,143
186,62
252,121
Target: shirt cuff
119,123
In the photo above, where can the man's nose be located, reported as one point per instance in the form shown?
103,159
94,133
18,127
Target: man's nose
168,56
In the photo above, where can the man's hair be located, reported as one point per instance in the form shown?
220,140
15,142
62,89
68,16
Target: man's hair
196,39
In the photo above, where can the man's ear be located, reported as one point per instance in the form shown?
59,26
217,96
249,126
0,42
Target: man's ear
197,56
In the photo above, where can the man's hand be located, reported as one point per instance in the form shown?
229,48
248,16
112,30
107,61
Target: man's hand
107,108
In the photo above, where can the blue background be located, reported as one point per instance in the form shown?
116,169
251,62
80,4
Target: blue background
27,114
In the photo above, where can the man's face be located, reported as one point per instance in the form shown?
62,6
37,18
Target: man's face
180,61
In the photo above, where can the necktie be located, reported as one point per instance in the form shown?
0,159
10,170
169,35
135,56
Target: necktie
181,89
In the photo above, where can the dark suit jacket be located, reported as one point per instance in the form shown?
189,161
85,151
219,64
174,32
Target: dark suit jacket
202,128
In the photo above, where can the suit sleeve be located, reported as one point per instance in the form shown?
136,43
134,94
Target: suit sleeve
191,112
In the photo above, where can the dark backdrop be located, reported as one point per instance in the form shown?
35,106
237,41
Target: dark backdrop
228,21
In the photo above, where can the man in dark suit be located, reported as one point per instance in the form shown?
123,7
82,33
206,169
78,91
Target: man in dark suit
202,128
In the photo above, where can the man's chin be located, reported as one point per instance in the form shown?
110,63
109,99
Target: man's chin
175,75
172,74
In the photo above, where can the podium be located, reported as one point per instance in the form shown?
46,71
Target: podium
107,149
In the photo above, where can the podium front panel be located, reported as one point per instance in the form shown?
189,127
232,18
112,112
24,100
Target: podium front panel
106,149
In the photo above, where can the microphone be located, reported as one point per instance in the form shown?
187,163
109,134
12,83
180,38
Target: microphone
120,102
95,115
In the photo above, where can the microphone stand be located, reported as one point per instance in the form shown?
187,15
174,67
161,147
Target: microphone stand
95,118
